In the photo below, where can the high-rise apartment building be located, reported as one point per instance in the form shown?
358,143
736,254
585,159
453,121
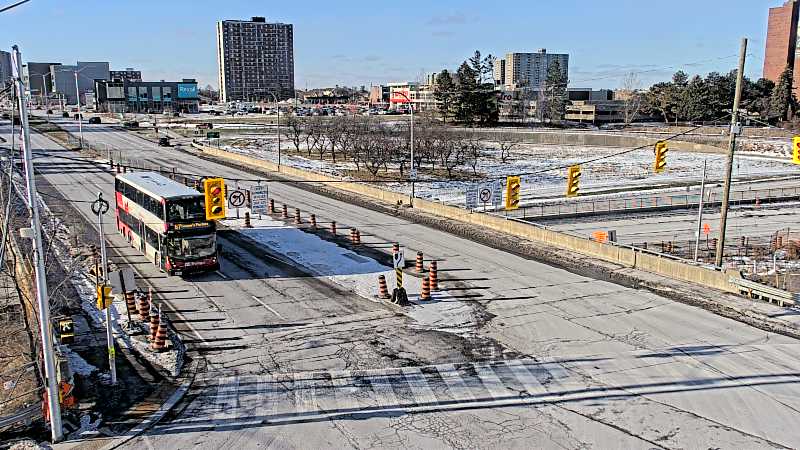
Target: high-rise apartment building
529,69
781,47
5,68
255,59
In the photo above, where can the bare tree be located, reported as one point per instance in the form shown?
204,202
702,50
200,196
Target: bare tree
294,131
507,143
631,98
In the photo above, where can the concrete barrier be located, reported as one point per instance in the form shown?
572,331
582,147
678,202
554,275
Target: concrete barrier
626,256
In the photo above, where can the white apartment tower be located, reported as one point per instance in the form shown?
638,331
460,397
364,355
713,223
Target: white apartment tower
530,69
256,60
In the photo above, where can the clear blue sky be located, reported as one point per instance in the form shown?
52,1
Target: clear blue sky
361,42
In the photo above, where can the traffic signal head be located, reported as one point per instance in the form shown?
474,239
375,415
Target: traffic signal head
513,186
573,180
796,149
660,151
214,189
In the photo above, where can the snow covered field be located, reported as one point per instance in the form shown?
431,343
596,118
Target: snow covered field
543,172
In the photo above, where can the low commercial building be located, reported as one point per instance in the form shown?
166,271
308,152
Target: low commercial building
63,77
129,74
147,96
595,111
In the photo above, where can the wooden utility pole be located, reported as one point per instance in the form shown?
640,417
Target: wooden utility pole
735,129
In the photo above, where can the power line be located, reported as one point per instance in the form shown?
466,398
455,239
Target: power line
14,5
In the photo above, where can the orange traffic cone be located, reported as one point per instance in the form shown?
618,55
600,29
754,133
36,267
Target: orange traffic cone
383,289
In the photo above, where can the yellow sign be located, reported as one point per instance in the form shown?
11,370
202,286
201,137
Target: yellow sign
660,151
513,186
214,189
104,298
190,226
796,149
573,180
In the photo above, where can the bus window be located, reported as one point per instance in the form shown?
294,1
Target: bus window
186,209
192,247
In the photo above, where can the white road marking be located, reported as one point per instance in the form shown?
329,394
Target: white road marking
268,307
418,384
491,381
221,274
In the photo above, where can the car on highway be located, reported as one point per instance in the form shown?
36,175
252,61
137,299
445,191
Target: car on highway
78,117
94,120
6,116
163,142
131,124
64,114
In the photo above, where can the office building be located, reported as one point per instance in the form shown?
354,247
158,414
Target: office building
256,60
500,71
5,67
529,69
63,79
135,96
129,74
781,48
38,77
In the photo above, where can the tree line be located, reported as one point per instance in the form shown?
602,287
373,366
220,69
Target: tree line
377,146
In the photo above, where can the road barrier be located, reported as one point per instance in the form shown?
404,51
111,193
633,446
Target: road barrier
333,228
313,219
632,257
383,289
247,223
433,273
130,303
272,206
297,219
419,266
756,290
425,294
144,305
285,211
154,321
160,338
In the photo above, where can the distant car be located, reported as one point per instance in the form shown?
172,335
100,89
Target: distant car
77,117
131,124
16,121
6,116
65,114
163,142
49,111
94,120
177,114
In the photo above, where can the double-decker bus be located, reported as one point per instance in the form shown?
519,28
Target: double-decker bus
167,222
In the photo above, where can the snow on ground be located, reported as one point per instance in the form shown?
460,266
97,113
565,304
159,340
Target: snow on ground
77,364
356,273
632,169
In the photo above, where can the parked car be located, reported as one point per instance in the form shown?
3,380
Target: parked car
65,114
49,111
131,124
78,117
6,116
94,120
176,114
163,142
16,121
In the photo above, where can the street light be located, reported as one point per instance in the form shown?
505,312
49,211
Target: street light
78,101
413,169
278,110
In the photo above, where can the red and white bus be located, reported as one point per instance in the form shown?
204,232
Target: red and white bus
167,222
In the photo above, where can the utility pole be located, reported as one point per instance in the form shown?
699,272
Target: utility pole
78,100
42,298
700,211
735,129
100,207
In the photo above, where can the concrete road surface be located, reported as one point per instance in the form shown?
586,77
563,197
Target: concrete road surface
551,360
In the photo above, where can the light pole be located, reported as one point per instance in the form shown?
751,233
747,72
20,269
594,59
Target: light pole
413,169
78,101
278,112
700,212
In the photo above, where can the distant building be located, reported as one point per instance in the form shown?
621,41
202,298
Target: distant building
500,71
255,59
146,96
379,95
529,69
63,77
781,49
5,67
39,78
129,74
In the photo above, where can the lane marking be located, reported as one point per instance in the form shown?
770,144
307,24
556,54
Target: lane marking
268,307
222,275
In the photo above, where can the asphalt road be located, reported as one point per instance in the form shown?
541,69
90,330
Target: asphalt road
586,363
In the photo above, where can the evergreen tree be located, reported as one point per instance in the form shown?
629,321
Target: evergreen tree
467,87
782,102
555,91
445,93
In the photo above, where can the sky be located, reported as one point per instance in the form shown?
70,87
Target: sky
361,42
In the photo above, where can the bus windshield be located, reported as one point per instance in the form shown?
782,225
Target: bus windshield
192,247
186,209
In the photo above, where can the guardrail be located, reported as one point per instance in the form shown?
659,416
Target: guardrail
649,203
756,290
25,415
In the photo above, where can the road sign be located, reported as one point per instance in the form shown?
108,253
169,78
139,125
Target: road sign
212,135
122,281
66,330
706,229
497,192
413,173
237,199
485,193
398,260
259,198
472,196
600,236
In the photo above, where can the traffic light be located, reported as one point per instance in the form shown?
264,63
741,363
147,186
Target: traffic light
661,156
513,185
573,180
796,149
104,299
214,189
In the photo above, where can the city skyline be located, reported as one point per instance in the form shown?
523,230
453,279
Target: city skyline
360,49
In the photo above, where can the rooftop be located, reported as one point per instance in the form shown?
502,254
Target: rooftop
158,185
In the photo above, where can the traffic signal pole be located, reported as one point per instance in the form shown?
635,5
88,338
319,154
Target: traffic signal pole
42,297
100,207
735,129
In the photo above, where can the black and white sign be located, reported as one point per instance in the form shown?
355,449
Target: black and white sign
398,260
236,199
472,196
259,198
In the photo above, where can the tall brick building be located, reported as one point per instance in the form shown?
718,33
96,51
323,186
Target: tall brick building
782,49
